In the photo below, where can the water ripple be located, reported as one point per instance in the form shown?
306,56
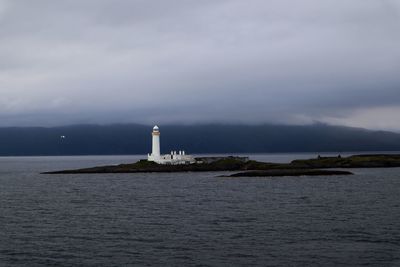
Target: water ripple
196,219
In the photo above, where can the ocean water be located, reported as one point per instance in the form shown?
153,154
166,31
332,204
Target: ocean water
195,219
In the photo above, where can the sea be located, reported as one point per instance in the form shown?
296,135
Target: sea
195,219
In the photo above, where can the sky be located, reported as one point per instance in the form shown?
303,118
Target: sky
200,61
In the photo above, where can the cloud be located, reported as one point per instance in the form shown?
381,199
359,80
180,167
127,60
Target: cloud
102,61
371,118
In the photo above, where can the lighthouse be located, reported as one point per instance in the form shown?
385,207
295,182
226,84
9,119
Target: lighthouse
171,159
156,143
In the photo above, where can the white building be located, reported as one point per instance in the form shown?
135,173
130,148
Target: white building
174,158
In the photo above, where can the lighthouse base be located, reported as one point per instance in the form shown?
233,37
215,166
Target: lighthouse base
172,159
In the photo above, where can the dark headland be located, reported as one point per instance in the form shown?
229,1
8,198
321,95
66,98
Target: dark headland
253,168
134,139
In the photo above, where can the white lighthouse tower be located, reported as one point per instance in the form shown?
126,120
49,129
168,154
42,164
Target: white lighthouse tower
173,158
156,143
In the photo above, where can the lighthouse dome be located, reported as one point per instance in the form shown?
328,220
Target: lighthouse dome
155,128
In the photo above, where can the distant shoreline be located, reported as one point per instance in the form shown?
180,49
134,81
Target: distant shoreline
128,139
324,153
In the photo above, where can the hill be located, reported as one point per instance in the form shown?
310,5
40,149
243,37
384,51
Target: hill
136,139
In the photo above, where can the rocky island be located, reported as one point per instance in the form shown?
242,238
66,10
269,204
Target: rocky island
247,167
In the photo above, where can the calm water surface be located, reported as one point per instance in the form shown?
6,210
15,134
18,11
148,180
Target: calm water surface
195,219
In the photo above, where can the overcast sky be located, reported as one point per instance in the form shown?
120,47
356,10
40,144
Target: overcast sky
199,61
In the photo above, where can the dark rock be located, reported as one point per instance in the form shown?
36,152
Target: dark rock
289,172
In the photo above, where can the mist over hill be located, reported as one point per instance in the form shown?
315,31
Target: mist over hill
136,139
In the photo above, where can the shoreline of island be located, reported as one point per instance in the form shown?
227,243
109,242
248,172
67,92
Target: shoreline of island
251,168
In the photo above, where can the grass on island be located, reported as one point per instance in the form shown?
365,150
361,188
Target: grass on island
237,164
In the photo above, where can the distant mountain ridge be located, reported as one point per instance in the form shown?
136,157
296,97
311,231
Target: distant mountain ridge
122,139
